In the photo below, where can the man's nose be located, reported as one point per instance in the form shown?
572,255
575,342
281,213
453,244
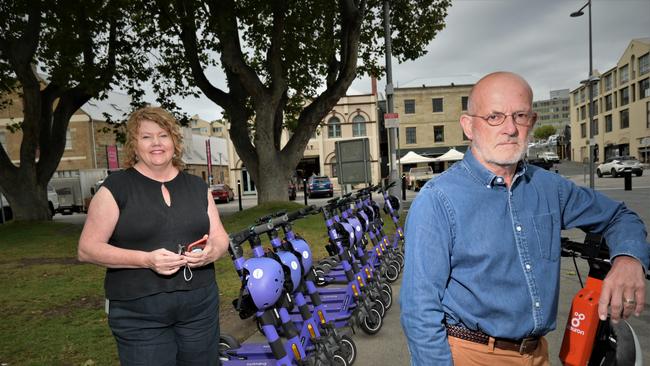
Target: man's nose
509,125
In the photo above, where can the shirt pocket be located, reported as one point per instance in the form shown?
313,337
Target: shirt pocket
545,227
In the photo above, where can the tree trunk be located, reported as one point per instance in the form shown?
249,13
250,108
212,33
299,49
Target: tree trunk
27,198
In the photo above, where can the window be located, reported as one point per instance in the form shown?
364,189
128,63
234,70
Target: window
409,106
644,88
625,96
583,112
608,82
623,75
358,126
410,135
334,172
608,123
575,98
608,102
594,89
594,127
582,95
68,140
644,64
594,105
333,128
647,115
438,133
583,129
625,118
437,104
463,103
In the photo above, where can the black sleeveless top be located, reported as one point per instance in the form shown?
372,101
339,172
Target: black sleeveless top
146,223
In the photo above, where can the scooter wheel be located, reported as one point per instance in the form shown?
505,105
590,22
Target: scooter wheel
372,323
320,275
380,307
348,349
338,360
392,273
386,298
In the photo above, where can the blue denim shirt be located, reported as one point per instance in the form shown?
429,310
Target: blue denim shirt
488,257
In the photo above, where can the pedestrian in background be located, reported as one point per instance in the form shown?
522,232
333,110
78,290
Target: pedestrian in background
482,266
162,301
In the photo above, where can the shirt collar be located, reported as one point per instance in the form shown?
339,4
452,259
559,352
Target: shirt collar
484,175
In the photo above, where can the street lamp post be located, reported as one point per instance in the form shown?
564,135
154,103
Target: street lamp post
589,84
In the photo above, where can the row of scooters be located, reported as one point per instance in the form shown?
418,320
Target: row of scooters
306,310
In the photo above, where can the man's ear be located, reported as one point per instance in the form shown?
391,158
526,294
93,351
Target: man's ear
466,124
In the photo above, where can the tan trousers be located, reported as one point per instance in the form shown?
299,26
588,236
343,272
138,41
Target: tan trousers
467,353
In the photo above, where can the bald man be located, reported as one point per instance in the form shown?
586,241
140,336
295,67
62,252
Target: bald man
481,277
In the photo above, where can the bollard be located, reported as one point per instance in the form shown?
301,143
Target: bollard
239,194
304,190
628,180
403,187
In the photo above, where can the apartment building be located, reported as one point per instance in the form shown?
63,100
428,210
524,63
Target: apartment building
553,111
621,124
429,117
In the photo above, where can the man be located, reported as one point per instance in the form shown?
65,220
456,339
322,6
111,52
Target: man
483,243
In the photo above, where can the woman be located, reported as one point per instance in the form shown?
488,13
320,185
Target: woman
162,301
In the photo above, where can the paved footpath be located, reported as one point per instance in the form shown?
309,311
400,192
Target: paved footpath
388,347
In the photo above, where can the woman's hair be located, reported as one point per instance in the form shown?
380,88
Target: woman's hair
163,119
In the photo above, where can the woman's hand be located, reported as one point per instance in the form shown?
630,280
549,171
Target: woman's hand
204,257
164,262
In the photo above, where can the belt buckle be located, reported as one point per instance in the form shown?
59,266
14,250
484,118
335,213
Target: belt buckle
523,347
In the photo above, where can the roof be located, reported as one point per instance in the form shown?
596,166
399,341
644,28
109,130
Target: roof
116,105
463,79
195,149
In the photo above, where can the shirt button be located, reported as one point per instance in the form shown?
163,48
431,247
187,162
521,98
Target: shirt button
499,180
518,228
537,304
527,267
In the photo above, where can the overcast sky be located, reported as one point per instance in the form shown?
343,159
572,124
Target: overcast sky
535,38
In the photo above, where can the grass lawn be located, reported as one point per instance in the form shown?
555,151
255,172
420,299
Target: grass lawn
53,306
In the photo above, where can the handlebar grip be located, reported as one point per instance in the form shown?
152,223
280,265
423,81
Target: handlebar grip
261,229
392,184
239,237
279,220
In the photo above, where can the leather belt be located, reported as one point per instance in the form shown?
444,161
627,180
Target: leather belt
523,346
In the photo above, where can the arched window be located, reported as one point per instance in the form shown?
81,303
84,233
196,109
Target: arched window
358,126
334,171
333,127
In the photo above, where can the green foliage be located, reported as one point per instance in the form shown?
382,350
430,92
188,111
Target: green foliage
543,132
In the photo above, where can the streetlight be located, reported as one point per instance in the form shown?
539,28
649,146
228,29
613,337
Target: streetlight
589,84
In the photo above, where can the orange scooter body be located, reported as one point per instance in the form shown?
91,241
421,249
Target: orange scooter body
582,325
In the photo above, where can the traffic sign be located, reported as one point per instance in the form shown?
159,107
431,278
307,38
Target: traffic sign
391,120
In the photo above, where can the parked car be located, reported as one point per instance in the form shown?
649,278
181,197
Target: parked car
617,165
319,186
292,190
549,157
222,193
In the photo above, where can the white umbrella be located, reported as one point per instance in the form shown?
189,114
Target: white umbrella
413,158
451,155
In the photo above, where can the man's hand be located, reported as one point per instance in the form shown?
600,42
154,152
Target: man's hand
623,289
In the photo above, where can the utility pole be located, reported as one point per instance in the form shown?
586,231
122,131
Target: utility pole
392,132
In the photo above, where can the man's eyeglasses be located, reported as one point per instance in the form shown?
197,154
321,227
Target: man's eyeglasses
525,119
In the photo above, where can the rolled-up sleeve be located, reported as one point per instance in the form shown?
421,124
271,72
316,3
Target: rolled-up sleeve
429,235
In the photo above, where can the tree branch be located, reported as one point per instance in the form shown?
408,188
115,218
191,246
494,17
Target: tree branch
231,55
